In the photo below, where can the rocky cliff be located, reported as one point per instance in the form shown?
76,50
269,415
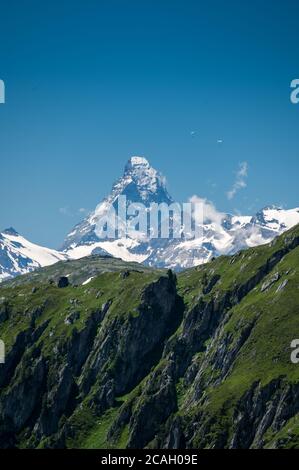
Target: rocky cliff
126,356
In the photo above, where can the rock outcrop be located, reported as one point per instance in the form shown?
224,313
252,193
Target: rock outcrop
151,359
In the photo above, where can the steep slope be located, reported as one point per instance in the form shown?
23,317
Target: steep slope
139,357
226,374
19,256
76,346
140,183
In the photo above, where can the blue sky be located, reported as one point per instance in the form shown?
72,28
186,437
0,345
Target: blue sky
90,83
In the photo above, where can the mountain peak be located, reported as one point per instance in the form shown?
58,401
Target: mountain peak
272,207
10,231
141,182
137,161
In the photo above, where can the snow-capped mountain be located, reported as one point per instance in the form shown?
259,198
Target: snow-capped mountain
233,234
221,233
19,256
140,183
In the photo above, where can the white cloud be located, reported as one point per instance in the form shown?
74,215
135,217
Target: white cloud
82,210
65,211
240,181
210,213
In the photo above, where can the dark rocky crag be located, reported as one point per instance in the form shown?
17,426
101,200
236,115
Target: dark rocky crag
143,358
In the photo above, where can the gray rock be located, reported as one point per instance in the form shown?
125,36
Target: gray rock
282,285
267,284
62,282
71,318
125,274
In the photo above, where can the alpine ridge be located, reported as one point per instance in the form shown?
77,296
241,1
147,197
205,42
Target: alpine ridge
224,234
126,356
19,256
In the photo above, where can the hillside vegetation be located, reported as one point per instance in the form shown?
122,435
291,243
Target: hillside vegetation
127,356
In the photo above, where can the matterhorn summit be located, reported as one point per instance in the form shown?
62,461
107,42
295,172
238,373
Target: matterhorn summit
143,183
140,183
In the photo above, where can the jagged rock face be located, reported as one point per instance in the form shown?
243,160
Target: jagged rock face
111,353
149,359
140,183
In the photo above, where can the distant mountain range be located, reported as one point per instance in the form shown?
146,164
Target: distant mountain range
222,234
19,256
141,183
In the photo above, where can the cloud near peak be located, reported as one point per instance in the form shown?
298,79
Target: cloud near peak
210,213
240,181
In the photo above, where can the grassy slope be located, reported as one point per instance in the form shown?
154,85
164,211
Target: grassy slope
23,298
77,270
264,356
275,315
57,304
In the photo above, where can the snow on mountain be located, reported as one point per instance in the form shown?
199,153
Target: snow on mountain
233,234
141,183
276,218
221,233
19,256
